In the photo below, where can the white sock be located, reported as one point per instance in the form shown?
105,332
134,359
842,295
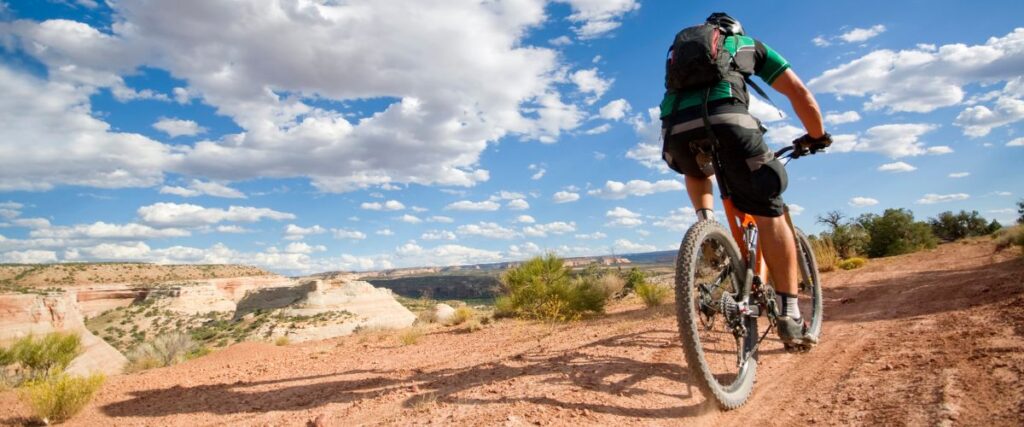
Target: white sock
789,306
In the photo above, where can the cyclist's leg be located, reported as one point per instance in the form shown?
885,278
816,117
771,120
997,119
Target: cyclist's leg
679,157
779,247
699,190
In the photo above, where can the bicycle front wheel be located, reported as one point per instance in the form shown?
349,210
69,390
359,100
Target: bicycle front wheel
710,275
810,287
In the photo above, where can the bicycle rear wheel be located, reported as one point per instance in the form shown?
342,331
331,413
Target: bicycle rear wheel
810,290
710,274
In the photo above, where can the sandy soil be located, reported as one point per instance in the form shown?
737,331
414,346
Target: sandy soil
933,338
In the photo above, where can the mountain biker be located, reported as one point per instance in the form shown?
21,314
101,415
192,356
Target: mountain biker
755,178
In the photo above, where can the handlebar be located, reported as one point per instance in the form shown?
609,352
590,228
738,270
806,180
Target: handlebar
801,148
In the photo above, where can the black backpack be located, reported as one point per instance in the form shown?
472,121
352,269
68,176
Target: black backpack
697,58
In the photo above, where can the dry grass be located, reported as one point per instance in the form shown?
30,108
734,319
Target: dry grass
282,341
462,315
58,398
825,253
652,295
165,350
611,284
410,336
1009,236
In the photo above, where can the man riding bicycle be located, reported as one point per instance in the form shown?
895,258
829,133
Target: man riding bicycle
694,118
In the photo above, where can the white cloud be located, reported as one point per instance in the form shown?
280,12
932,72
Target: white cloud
598,129
626,246
525,219
589,82
678,220
411,219
795,209
384,232
487,229
861,202
615,110
932,198
821,41
517,204
441,219
560,41
443,255
542,230
28,257
939,149
209,188
959,174
466,205
597,235
892,140
836,118
522,251
361,51
597,18
390,205
188,215
897,167
539,174
858,35
565,197
32,222
303,248
104,231
438,235
623,217
648,150
636,187
979,120
43,118
764,111
232,229
345,234
1018,142
923,79
295,232
177,127
783,134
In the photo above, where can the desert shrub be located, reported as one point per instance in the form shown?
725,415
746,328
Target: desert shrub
895,232
282,341
165,350
852,263
1020,211
410,336
59,397
462,315
949,226
610,284
427,316
635,277
652,294
825,253
38,357
542,288
1009,236
848,237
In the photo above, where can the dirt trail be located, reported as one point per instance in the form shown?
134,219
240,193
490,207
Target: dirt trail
933,338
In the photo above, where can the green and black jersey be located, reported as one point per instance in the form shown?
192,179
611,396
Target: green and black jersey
751,57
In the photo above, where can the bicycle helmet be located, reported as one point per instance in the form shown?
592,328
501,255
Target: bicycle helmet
727,23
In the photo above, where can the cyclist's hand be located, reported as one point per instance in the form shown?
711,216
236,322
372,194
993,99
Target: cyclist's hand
805,144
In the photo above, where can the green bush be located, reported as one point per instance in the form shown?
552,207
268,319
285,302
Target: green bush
57,398
542,288
895,232
949,226
40,357
635,277
1009,236
852,263
652,295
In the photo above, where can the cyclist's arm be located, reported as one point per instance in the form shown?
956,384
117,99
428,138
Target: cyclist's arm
803,102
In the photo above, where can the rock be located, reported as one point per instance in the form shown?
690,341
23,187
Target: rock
443,313
32,314
370,307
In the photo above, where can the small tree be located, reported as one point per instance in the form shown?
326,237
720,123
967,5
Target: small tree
635,278
993,227
1020,211
895,232
542,288
44,356
848,238
949,226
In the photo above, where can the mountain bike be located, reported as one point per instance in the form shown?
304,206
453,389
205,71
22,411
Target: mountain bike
723,288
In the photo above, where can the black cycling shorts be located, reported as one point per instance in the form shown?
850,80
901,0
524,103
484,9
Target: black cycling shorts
756,179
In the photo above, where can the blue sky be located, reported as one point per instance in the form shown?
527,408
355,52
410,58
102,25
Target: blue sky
305,136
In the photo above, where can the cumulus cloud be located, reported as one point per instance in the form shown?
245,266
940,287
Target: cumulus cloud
597,130
542,230
615,110
200,188
358,50
1017,142
104,231
764,111
897,167
487,229
932,198
636,187
783,134
925,78
517,204
28,257
525,219
565,197
410,219
346,234
858,35
837,118
441,219
538,172
177,127
959,174
623,217
444,255
678,220
979,120
861,202
466,205
892,140
438,235
188,215
795,209
597,235
626,246
390,205
295,232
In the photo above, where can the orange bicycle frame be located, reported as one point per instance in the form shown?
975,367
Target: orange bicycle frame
738,222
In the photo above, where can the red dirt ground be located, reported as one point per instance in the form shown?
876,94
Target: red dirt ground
932,338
